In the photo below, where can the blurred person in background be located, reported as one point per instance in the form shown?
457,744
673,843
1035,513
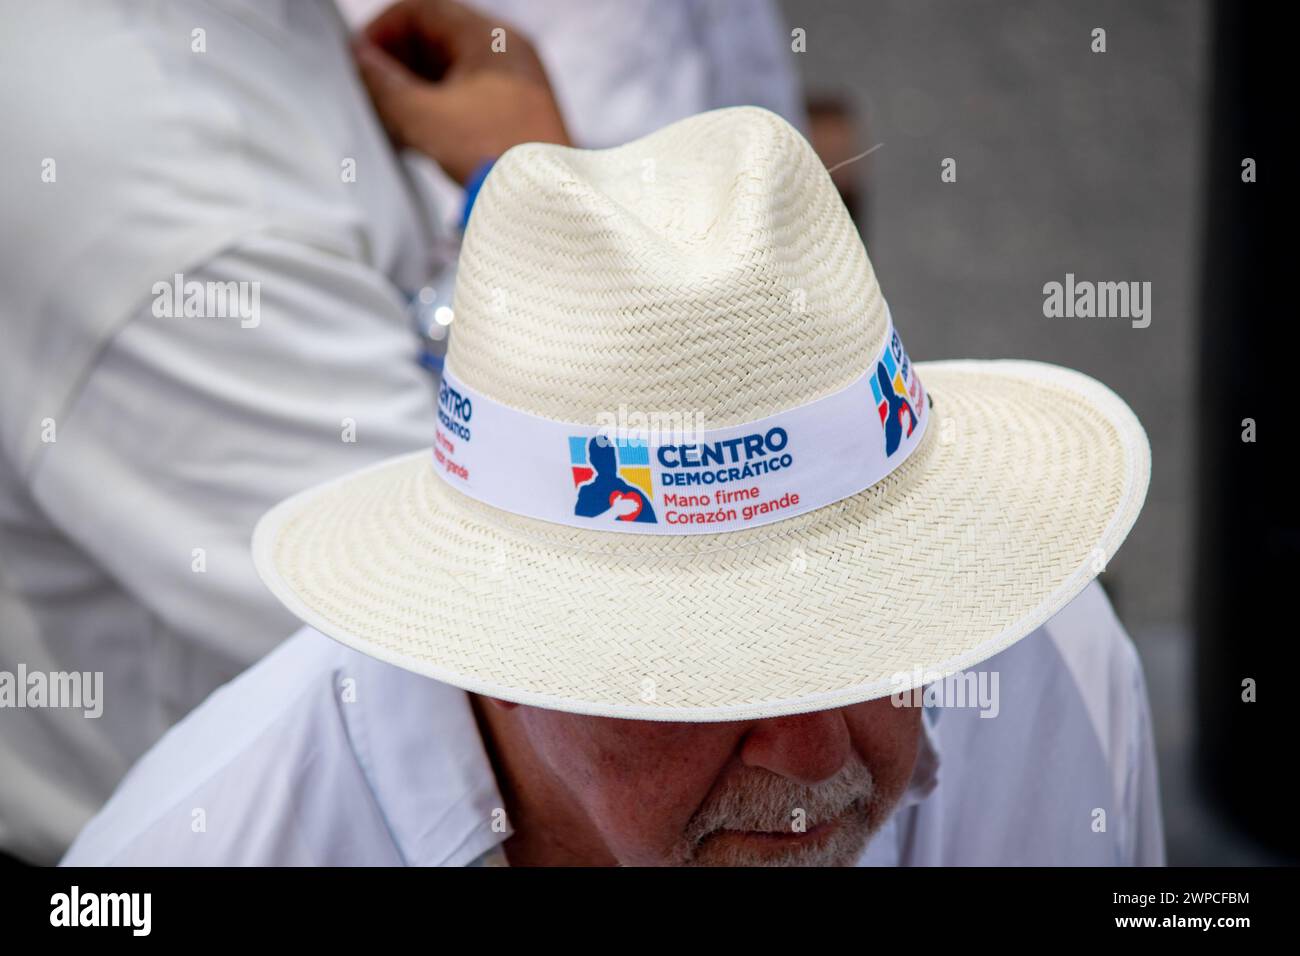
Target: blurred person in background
151,147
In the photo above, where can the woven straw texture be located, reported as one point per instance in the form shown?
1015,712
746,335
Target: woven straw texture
709,268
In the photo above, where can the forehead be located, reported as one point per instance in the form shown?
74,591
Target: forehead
881,712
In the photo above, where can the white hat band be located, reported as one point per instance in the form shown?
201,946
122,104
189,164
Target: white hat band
654,474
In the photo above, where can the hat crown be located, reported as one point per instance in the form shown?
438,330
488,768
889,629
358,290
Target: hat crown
708,269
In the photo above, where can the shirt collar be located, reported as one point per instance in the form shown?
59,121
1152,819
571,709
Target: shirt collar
925,775
418,743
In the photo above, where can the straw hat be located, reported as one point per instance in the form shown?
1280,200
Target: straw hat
710,270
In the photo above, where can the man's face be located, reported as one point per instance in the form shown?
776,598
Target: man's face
808,789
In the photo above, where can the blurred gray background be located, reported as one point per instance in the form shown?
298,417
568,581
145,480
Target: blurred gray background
1067,161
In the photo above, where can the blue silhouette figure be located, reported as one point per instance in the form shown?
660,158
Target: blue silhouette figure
898,405
598,495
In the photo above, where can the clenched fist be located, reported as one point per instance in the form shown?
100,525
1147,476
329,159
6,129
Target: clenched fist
439,86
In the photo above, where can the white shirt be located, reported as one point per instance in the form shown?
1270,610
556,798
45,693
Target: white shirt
622,68
219,154
320,755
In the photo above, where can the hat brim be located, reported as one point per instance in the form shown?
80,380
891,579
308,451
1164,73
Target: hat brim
1029,478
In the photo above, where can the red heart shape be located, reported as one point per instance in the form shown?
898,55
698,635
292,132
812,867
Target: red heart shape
624,496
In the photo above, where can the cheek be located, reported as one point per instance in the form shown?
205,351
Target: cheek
888,739
640,784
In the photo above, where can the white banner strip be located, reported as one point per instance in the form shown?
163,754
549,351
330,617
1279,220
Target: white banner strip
678,480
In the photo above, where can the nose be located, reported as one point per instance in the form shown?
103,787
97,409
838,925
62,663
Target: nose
807,748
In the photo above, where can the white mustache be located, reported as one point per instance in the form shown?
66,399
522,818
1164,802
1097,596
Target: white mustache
764,801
